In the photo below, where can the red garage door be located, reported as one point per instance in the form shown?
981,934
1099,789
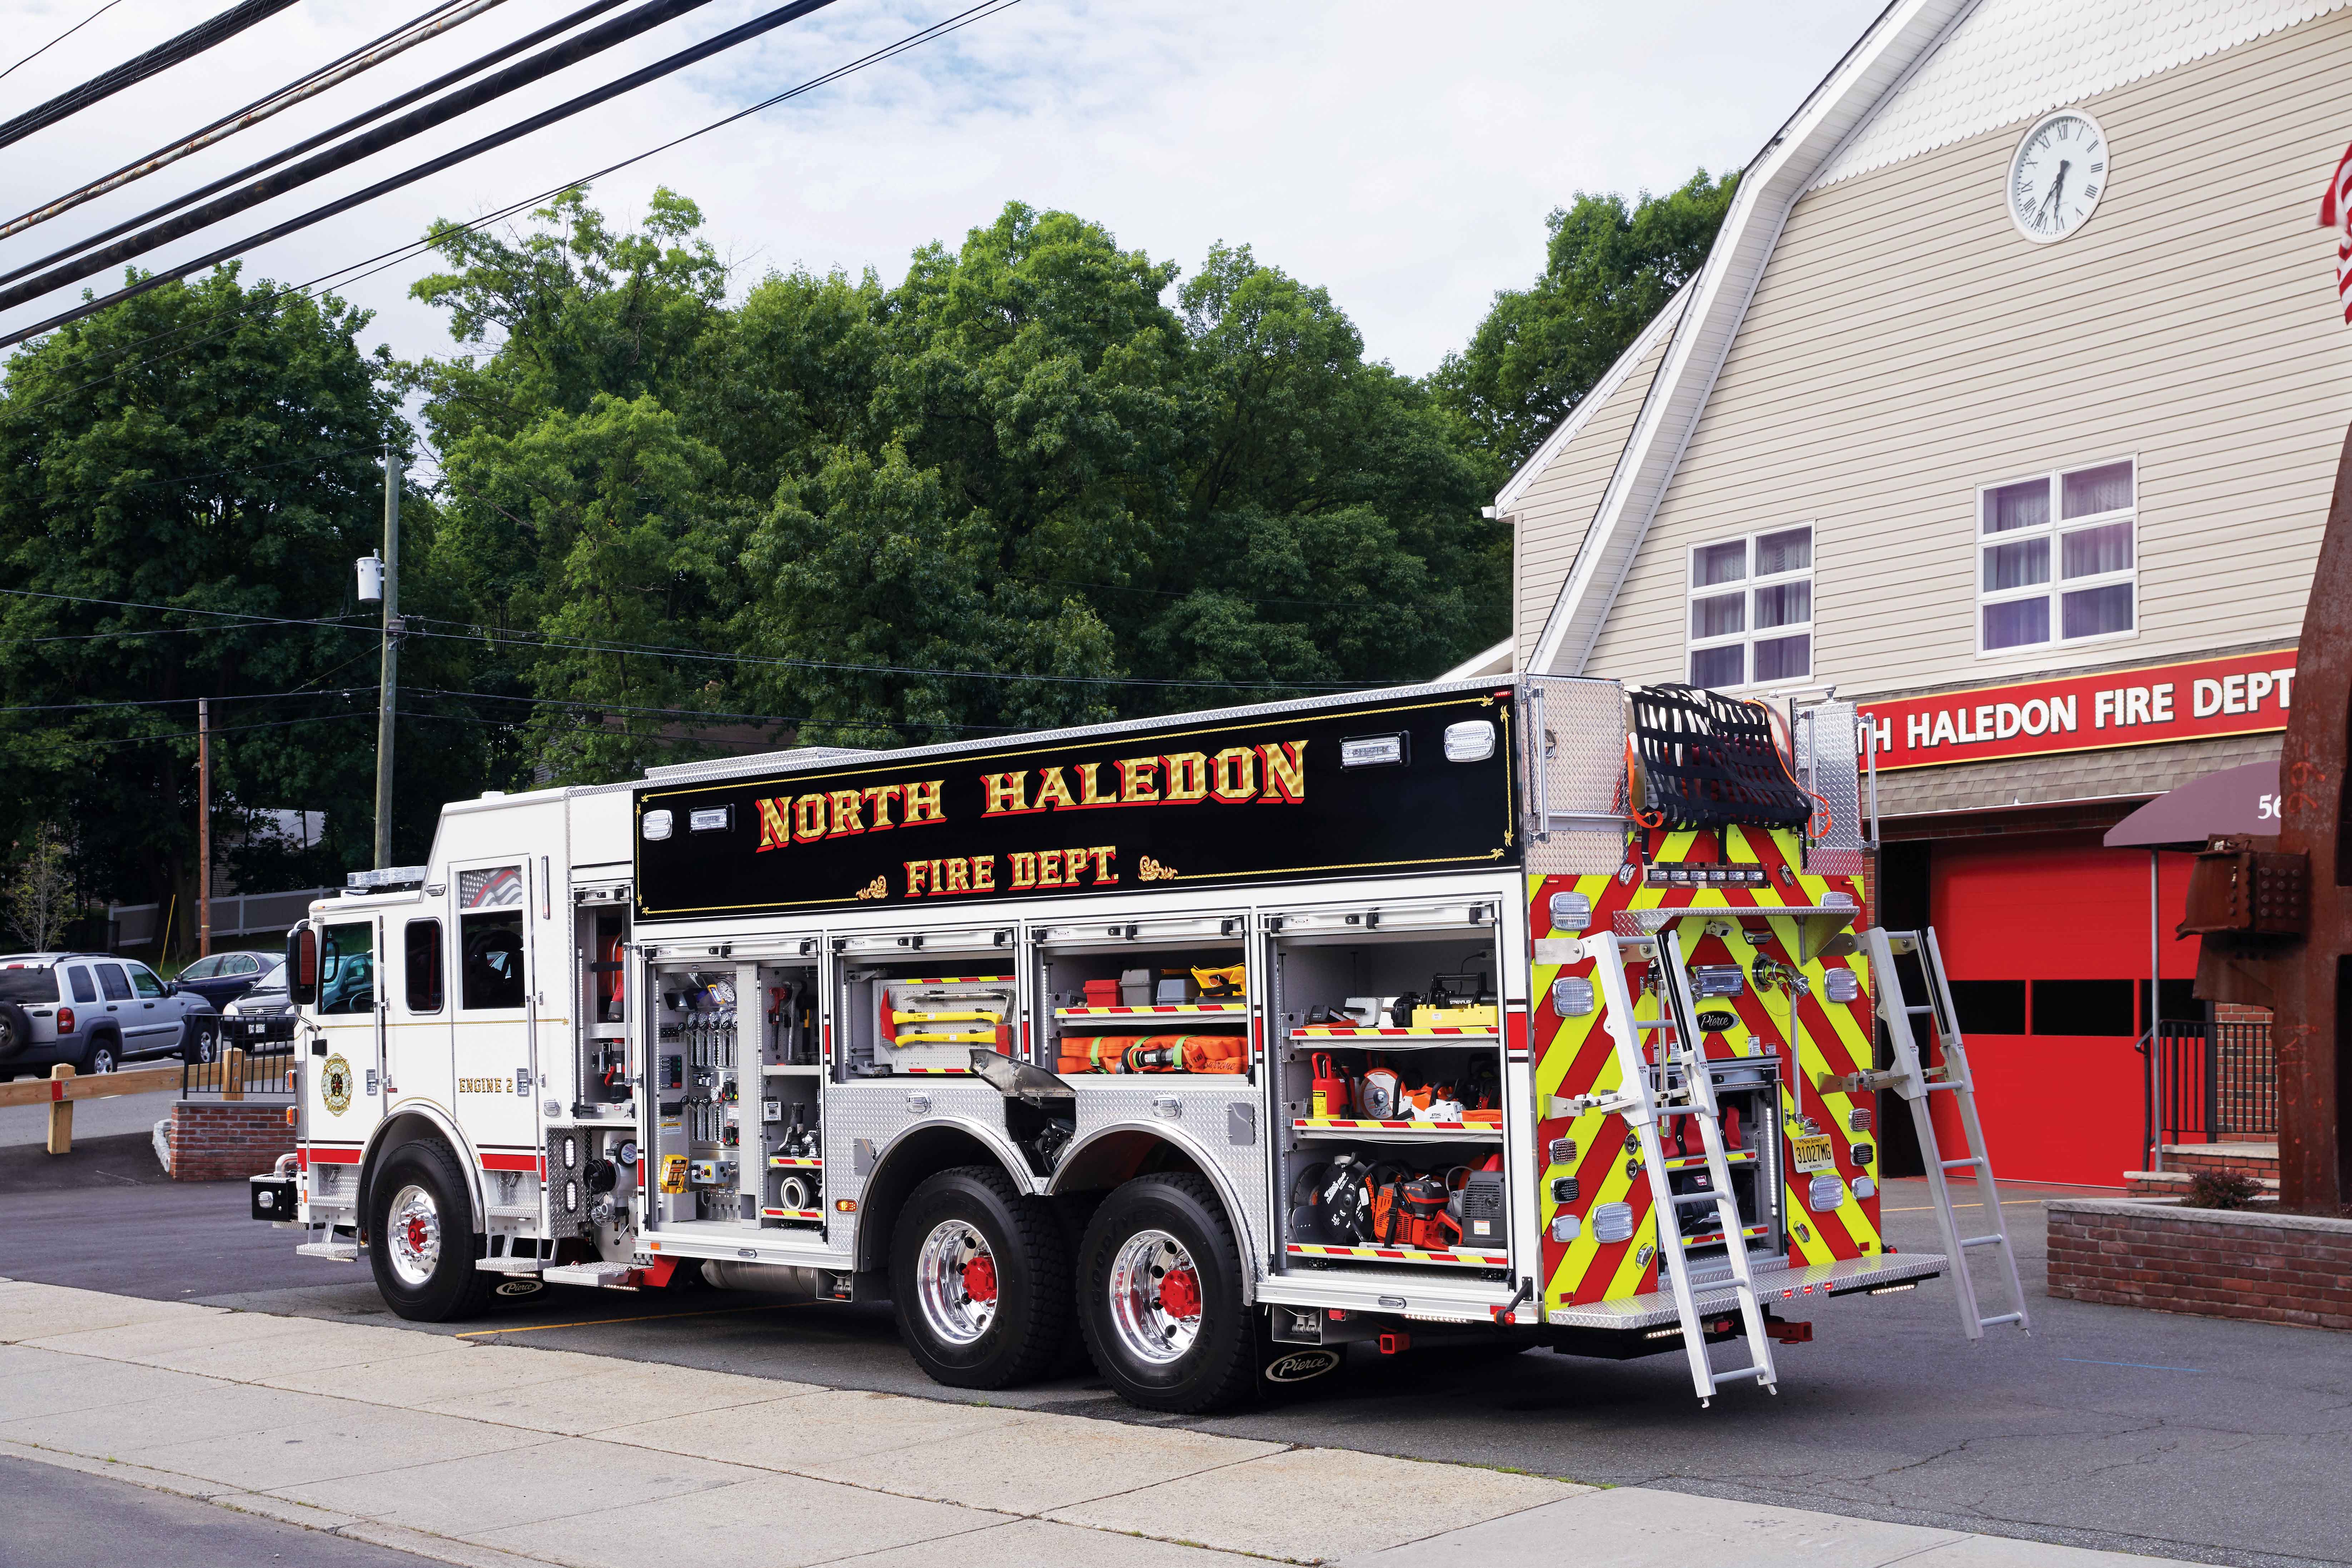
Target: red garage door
2046,939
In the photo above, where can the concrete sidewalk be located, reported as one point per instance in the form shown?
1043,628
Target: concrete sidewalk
481,1453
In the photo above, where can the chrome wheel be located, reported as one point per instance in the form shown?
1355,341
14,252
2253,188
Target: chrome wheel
955,1282
101,1059
1155,1297
413,1226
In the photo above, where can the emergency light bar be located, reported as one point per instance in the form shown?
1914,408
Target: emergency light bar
385,880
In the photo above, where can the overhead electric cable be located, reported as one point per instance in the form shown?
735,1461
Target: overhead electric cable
401,40
548,61
399,101
437,235
162,57
61,37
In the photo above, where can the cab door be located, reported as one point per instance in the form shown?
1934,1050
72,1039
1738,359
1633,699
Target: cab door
347,1086
495,1069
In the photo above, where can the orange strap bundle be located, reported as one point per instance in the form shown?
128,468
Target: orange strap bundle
1095,1053
1153,1053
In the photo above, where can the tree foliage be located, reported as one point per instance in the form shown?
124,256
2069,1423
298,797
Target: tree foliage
1608,269
237,476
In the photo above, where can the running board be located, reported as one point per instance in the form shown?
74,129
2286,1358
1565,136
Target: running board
1846,1276
332,1251
602,1275
508,1265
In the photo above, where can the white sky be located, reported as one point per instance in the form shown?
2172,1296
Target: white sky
1401,155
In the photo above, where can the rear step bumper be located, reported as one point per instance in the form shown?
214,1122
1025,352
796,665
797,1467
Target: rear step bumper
1846,1276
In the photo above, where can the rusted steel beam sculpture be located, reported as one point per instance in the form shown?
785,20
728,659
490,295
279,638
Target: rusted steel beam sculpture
2277,915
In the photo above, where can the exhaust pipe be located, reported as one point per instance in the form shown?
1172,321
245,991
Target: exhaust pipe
767,1279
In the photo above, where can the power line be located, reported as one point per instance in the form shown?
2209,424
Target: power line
61,37
593,41
399,101
431,23
162,57
443,232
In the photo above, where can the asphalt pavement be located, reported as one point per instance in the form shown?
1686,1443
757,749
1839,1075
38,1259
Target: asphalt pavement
63,1519
2105,1427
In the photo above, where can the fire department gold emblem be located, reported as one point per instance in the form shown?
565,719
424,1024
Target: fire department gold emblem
335,1085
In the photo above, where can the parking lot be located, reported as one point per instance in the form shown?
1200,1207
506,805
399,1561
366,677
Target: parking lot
2105,1427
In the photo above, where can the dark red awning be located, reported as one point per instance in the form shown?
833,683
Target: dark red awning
2242,800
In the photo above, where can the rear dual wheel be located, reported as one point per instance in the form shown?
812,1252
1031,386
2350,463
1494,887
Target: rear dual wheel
1160,1301
980,1280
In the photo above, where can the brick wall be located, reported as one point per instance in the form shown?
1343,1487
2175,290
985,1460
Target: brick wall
227,1140
2272,1268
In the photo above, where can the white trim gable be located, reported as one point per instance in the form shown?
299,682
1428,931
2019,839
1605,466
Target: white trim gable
2011,61
1596,395
1904,35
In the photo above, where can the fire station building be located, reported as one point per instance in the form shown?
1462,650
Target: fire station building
2008,403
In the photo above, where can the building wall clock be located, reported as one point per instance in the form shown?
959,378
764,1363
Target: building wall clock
2057,175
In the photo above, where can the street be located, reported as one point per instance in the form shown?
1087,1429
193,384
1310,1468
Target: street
2085,1433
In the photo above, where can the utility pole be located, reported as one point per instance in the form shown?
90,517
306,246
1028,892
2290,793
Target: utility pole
391,674
204,827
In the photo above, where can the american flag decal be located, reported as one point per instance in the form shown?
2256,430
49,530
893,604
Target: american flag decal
2336,213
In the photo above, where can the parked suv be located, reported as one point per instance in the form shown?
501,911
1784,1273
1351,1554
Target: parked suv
93,1009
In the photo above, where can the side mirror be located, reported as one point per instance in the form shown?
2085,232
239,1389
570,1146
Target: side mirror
302,965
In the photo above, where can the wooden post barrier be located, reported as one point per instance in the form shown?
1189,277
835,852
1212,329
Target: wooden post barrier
62,1113
233,1073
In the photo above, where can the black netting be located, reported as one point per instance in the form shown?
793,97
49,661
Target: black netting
1707,761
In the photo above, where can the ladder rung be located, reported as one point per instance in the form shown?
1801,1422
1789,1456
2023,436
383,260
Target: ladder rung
1758,1371
2004,1317
1932,1087
1955,1165
1698,1197
1985,1241
1927,1007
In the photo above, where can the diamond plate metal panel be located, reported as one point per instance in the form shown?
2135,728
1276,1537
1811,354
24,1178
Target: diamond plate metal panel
1575,737
567,1195
1828,739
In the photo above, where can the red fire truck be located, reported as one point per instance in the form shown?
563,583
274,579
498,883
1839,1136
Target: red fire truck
1534,1010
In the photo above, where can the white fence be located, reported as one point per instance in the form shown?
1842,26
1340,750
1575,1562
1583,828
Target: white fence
239,914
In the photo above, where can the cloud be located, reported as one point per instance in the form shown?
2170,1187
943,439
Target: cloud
1403,157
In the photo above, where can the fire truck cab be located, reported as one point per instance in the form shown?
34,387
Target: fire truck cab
1528,1011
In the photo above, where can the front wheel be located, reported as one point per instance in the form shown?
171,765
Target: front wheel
1159,1297
980,1280
420,1237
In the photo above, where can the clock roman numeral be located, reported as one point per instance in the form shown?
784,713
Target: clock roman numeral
2090,190
2099,167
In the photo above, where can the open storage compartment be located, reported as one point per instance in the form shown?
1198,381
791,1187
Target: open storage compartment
1165,996
786,1169
1391,1086
695,1080
920,1003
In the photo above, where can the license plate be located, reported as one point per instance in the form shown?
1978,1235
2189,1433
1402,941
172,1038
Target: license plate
1812,1153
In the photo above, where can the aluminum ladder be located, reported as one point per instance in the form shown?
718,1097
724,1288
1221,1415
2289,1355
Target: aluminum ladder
1914,1083
1647,1092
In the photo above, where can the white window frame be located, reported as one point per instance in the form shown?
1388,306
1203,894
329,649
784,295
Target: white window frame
1748,637
2054,590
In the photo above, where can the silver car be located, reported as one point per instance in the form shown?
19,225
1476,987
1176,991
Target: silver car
95,1010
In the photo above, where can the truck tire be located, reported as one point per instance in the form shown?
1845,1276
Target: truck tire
980,1280
16,1031
1159,1297
420,1237
103,1054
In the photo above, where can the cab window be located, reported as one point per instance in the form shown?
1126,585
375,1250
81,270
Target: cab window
116,983
347,968
420,954
144,979
491,977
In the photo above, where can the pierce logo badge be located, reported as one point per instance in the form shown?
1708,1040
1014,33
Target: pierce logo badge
1300,1365
335,1085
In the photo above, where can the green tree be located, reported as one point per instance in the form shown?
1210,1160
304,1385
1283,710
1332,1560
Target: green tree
1607,271
212,448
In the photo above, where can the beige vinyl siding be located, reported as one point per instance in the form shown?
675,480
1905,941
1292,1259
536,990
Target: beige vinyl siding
1559,503
1905,345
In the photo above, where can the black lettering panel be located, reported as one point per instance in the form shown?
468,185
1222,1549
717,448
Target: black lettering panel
1197,801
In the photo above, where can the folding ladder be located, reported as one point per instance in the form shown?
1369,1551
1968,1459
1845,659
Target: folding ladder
1915,1084
1676,1086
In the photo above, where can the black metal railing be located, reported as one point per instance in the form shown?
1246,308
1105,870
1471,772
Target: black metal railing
2214,1081
262,1049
